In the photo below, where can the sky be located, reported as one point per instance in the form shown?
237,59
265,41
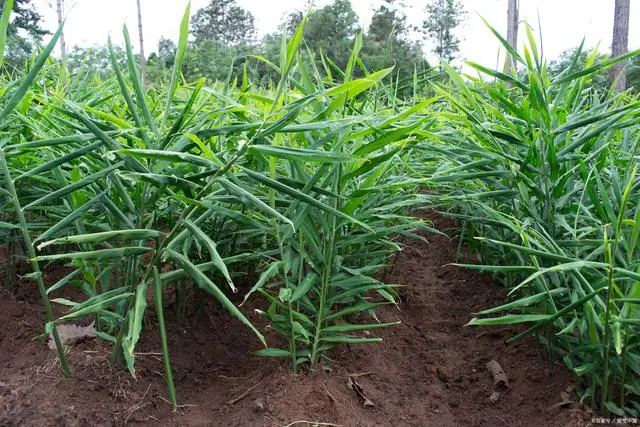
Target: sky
563,22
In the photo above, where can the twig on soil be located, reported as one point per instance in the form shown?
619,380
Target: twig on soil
361,374
215,328
137,406
230,378
186,405
312,423
330,395
243,395
503,421
395,260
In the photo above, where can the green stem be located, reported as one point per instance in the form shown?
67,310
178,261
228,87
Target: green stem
292,332
326,274
610,253
34,264
624,365
157,298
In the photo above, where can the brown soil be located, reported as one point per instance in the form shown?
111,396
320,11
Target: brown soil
429,371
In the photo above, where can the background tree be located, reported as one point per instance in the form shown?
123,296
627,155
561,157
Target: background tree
24,33
443,16
225,22
633,73
94,60
388,43
160,63
599,80
332,30
512,30
167,49
217,49
141,38
60,11
620,43
213,60
291,22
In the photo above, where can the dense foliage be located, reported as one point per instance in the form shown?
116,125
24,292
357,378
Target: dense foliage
308,180
542,172
193,186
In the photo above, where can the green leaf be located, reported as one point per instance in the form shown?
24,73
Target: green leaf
208,286
99,305
55,195
135,234
135,316
212,248
508,319
4,27
7,226
269,273
348,339
250,198
272,352
177,64
98,255
301,154
169,156
302,197
526,301
359,327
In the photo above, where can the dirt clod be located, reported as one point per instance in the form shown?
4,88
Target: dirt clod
500,379
442,376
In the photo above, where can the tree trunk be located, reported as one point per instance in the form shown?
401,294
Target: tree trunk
620,44
512,31
63,46
143,63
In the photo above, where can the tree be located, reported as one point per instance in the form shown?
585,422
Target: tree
159,64
94,60
586,58
332,29
443,16
25,17
142,60
387,43
633,73
291,22
213,60
512,30
63,47
225,22
24,32
620,43
167,50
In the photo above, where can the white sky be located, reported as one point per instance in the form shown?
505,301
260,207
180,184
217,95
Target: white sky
564,22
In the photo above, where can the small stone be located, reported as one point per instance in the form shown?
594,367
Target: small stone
258,405
495,396
442,376
4,390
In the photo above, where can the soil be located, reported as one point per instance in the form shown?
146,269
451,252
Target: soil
429,371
